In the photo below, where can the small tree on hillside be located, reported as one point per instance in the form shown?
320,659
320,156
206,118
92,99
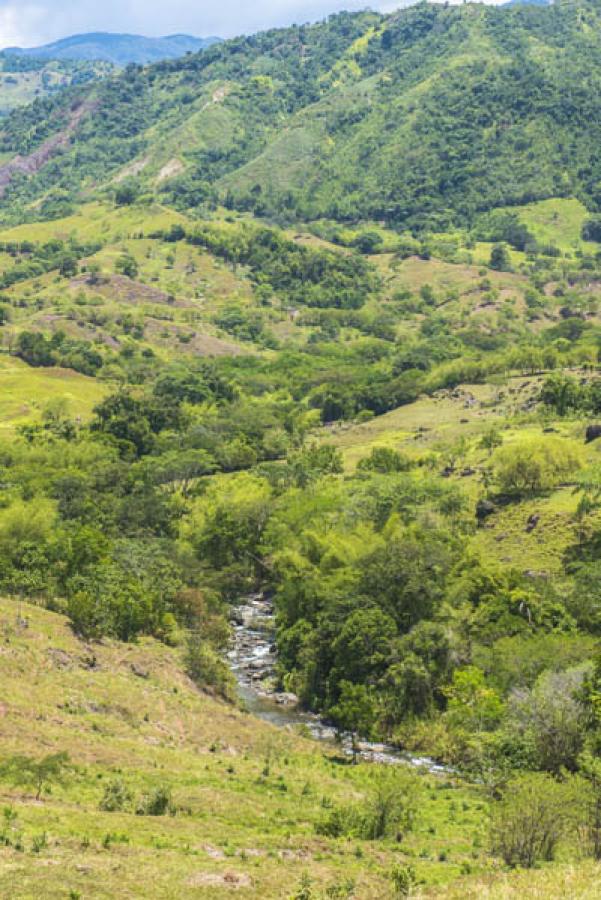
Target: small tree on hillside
127,265
530,819
590,769
38,774
499,258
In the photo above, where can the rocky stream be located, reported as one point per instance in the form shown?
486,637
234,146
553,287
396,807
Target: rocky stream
252,660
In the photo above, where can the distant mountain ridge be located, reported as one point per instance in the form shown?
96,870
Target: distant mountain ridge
118,49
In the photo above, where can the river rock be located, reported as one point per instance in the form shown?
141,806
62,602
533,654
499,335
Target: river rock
286,699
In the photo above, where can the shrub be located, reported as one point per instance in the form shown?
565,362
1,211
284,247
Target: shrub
591,229
403,880
384,460
157,803
206,668
551,717
39,842
530,819
534,465
390,808
116,797
392,804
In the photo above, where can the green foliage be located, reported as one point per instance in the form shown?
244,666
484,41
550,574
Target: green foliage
34,259
590,769
127,265
531,466
38,774
59,350
591,229
156,803
299,275
403,880
390,808
116,797
126,193
354,711
206,667
551,718
529,820
499,258
384,460
472,704
399,143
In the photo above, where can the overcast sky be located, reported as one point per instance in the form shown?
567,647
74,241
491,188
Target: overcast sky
27,23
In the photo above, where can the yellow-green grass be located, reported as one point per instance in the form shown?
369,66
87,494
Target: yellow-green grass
443,426
414,273
557,221
24,391
504,536
417,427
481,254
97,221
129,712
575,881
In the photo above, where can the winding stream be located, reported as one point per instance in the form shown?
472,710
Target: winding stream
252,660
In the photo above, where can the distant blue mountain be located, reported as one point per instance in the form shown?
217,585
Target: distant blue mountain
119,49
528,3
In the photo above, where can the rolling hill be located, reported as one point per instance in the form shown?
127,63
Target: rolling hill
118,49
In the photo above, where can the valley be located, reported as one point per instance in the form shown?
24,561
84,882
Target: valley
300,485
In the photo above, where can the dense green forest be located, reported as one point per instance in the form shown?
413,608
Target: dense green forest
315,316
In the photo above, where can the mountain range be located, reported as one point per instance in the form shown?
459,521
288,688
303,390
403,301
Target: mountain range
425,118
118,49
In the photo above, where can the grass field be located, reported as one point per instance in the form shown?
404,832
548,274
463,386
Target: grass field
25,391
127,711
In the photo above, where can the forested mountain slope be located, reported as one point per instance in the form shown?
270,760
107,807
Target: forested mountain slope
426,117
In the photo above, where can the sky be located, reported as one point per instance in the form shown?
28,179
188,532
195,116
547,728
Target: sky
29,23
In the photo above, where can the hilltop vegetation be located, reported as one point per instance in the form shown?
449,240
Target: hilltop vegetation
295,316
24,79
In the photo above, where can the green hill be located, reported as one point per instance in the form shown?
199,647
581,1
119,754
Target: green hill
424,118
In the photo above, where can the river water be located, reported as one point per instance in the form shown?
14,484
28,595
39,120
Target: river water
252,659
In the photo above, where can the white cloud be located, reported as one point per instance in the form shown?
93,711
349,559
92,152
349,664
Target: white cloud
31,22
20,22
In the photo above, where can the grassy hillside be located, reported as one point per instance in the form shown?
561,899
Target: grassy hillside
246,797
127,712
26,392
